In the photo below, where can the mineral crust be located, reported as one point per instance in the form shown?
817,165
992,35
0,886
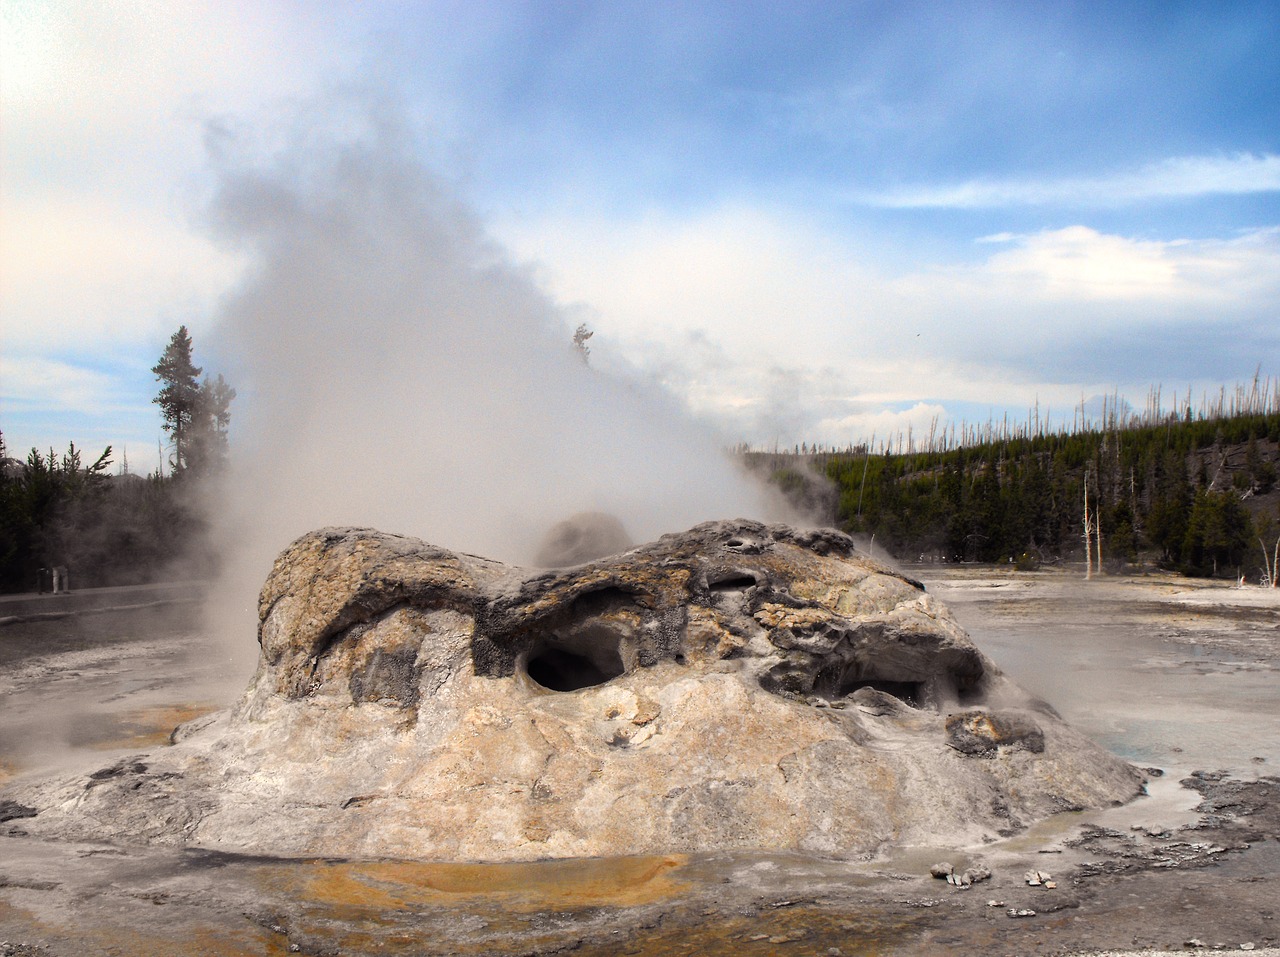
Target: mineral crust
738,685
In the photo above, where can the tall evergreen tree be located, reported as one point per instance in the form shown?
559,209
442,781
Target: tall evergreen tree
207,450
179,397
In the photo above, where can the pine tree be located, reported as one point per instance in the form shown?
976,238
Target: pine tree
208,445
179,398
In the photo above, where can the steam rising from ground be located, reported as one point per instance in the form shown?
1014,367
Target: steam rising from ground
396,369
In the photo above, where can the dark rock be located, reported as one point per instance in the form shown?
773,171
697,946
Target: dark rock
982,733
12,811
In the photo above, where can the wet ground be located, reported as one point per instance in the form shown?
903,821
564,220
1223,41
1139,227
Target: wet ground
1172,675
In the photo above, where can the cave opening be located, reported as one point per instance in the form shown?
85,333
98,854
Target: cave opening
839,680
732,582
577,659
908,692
559,670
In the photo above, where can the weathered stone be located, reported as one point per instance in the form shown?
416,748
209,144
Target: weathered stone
414,702
12,811
981,732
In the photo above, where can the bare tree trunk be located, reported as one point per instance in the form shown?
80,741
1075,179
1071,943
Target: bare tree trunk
1097,537
1088,530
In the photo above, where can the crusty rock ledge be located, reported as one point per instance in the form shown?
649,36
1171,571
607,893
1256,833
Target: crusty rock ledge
738,685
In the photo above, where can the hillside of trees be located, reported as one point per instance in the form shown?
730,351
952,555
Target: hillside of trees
118,528
1194,494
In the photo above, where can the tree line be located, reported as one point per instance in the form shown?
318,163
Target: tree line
121,529
1193,495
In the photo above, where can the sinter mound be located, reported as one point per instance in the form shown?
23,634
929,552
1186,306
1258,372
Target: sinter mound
737,685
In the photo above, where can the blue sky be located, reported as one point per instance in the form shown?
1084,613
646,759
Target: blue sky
811,221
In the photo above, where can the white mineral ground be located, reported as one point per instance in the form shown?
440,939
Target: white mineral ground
1165,672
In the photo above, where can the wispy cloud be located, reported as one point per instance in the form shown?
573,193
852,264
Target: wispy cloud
764,292
1179,177
52,385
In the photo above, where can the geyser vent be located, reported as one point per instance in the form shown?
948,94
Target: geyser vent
588,657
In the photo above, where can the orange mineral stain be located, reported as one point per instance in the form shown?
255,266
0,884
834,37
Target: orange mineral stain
521,887
138,728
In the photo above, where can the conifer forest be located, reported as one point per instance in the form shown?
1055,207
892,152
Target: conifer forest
1194,492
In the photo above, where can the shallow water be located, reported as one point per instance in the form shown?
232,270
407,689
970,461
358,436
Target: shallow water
1148,702
1163,684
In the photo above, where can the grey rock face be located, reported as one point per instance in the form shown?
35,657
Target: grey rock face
736,685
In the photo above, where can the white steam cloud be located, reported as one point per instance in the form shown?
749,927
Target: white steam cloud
396,369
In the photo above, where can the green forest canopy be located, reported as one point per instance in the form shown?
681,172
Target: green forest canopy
120,529
1195,495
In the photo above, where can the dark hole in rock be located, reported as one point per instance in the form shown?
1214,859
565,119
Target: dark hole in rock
565,671
909,692
839,680
733,583
584,658
969,688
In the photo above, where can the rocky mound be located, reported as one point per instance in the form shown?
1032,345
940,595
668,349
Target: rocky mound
734,686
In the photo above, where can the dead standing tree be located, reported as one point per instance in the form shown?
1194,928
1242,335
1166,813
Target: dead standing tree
1270,563
1092,533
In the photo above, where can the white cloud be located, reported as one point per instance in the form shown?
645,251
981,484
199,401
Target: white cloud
84,271
57,386
101,167
1177,177
892,427
1078,275
1078,262
787,333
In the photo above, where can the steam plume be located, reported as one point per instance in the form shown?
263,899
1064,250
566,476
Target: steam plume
396,369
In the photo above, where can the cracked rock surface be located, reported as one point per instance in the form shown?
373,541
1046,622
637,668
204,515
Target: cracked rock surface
737,685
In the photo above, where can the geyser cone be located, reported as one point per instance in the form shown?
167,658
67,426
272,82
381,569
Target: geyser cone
738,685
